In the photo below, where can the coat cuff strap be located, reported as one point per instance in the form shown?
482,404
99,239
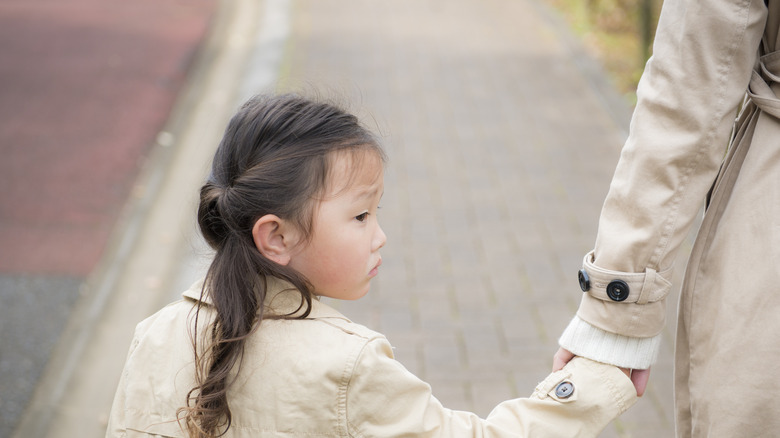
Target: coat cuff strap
642,288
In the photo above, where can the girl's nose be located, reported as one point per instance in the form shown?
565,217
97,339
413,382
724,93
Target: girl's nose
379,238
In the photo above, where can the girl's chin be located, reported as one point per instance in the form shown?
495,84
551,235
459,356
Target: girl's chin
358,295
348,296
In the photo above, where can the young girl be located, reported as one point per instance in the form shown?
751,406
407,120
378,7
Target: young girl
290,209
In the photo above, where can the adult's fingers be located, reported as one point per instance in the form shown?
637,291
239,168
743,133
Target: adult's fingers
561,358
640,378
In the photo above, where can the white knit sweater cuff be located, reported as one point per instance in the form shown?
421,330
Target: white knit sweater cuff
588,341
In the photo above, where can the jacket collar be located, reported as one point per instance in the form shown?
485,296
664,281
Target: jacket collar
281,299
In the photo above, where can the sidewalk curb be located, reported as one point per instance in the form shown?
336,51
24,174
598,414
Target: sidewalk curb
101,286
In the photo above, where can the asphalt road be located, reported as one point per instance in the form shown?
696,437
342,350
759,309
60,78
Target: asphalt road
502,137
87,86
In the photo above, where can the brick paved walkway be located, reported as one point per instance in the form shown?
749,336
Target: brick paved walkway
500,156
501,146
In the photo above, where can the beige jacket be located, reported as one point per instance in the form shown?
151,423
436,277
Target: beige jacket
711,57
704,56
327,376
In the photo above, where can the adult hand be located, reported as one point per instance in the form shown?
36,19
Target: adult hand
638,377
561,358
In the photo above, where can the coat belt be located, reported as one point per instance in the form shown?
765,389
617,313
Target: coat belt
760,90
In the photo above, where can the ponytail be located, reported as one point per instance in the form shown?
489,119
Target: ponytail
273,159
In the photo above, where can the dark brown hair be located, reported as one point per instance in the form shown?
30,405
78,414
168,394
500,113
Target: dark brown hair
273,159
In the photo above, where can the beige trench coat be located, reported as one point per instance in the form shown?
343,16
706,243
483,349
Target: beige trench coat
706,55
324,376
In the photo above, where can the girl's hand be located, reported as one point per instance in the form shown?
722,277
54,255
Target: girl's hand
638,377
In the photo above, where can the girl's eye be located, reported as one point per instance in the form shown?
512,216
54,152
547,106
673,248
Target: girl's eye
362,216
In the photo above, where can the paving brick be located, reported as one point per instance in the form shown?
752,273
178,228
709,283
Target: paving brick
489,392
500,158
453,394
443,353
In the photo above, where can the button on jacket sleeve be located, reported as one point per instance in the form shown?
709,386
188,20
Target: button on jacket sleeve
384,399
687,101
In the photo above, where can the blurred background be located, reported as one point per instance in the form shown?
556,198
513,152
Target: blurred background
618,33
85,88
503,121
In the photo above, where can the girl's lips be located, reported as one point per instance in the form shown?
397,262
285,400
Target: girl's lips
375,271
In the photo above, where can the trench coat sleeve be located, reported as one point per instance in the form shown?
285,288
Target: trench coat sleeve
384,399
687,101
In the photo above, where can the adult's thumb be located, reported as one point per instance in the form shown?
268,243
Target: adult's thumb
640,378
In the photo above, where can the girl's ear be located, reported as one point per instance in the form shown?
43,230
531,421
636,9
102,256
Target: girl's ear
274,238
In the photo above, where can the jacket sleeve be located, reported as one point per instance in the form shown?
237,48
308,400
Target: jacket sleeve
384,399
687,101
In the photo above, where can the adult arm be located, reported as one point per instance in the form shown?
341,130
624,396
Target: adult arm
687,100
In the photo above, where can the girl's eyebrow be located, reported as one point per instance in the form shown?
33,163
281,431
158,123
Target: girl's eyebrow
369,192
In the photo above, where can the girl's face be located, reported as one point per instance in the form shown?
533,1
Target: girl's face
343,254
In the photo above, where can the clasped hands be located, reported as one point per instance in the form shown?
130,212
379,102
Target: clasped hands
638,377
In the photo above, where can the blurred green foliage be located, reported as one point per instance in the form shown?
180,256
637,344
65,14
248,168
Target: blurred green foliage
618,33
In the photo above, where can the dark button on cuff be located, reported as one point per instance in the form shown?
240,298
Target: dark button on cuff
564,390
617,290
582,276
